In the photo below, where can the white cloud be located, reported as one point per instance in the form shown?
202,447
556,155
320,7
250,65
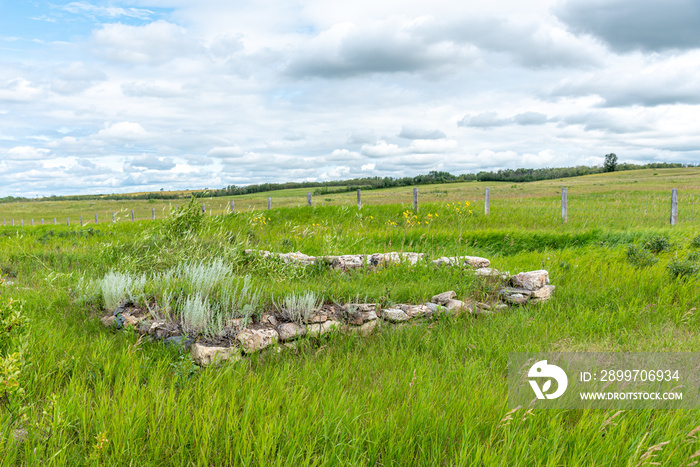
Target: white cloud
25,153
154,43
368,167
122,132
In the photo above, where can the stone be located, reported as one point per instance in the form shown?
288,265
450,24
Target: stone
298,258
290,331
346,261
456,305
144,327
319,329
501,306
530,280
318,317
364,330
483,306
412,258
394,315
108,321
179,341
473,261
487,272
237,323
368,316
131,320
415,311
205,355
253,340
432,306
444,297
543,293
268,318
476,261
155,326
383,259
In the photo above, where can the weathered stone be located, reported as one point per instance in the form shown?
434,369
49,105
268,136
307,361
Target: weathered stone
108,320
268,318
180,341
412,258
394,315
415,311
253,340
237,323
487,272
367,328
501,306
346,261
531,280
319,329
131,320
318,317
543,293
384,259
483,306
144,327
206,355
368,316
155,326
455,305
444,297
432,306
298,258
290,331
474,261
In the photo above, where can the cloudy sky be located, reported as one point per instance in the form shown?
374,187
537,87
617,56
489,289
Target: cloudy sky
117,96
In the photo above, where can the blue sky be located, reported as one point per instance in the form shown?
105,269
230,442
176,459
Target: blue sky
104,97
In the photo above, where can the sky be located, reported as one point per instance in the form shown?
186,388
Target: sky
128,96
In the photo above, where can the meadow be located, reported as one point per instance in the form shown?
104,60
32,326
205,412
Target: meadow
431,393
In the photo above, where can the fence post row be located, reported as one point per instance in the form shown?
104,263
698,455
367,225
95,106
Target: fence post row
563,205
415,200
203,209
68,221
674,206
269,203
308,198
487,201
233,207
132,215
359,199
95,218
81,221
153,213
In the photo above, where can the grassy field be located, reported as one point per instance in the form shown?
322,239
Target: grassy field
433,393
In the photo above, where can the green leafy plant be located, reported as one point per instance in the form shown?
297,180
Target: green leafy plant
13,348
639,256
657,244
683,268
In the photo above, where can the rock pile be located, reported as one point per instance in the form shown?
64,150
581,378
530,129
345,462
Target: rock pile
270,329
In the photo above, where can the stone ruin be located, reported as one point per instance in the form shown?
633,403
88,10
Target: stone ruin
272,330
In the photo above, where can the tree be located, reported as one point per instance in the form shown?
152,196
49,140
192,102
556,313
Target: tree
610,164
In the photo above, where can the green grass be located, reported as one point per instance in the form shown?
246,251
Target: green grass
431,393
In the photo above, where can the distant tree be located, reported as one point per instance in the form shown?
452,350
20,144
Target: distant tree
610,164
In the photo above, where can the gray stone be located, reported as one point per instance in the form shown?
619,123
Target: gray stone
368,316
474,261
432,307
108,321
416,311
456,305
319,329
206,355
394,315
180,341
516,299
543,293
298,258
364,330
346,261
268,318
412,258
253,340
488,272
531,280
290,331
444,297
383,259
318,317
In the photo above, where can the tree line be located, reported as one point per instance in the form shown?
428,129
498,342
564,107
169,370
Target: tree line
372,183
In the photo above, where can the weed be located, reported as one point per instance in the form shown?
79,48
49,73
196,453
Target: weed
657,244
683,268
299,307
640,257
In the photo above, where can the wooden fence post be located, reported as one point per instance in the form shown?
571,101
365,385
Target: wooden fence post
55,222
564,214
674,206
269,203
67,221
95,218
203,209
113,217
42,221
415,200
21,222
81,220
359,199
132,215
233,207
32,221
308,198
487,201
153,213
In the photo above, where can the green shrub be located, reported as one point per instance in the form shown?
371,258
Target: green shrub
13,332
683,268
639,257
695,243
657,244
